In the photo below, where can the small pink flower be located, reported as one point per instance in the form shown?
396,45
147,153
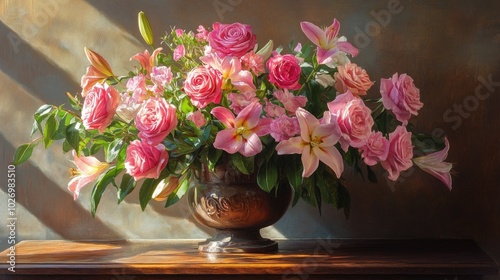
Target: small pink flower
204,86
179,32
155,120
253,62
179,52
197,118
298,48
202,34
145,161
284,71
290,101
328,45
241,100
88,170
241,133
137,87
284,127
99,107
234,39
435,165
375,149
146,60
161,76
400,95
316,143
353,78
273,110
400,153
354,119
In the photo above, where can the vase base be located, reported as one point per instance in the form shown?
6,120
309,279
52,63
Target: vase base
238,241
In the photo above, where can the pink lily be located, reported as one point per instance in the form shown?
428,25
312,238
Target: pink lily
88,169
316,143
435,165
326,40
146,60
241,133
231,69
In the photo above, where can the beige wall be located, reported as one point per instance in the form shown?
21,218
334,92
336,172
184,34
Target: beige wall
451,48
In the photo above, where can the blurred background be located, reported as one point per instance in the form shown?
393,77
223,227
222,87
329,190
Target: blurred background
451,48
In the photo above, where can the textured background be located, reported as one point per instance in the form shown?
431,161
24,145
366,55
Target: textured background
450,48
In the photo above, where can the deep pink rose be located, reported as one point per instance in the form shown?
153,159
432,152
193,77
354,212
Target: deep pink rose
375,149
234,39
400,95
284,71
354,119
353,78
203,85
99,107
155,120
400,153
145,161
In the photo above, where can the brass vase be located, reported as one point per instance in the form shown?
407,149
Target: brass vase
237,208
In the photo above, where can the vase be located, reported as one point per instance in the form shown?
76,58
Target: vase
237,208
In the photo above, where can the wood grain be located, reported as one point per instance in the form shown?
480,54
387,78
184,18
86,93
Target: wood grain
316,259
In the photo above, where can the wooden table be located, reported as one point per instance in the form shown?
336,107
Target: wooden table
296,259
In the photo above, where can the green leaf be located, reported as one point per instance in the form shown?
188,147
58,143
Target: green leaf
112,149
42,113
100,187
213,157
73,136
147,189
49,130
267,176
244,164
122,154
176,195
23,153
61,128
371,174
126,186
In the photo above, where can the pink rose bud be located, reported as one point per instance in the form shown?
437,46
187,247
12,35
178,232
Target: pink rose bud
99,107
204,86
155,120
145,161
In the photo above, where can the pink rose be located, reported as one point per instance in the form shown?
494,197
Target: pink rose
234,39
354,119
99,107
353,78
137,87
202,34
400,95
375,149
161,76
400,153
145,161
290,101
197,118
284,127
155,120
203,85
284,71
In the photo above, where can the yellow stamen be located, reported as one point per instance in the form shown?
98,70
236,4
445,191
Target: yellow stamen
74,172
240,130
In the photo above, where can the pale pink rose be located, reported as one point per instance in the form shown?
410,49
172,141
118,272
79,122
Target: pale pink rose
290,101
99,107
155,120
353,78
234,39
240,100
375,149
161,76
400,95
179,32
137,87
284,71
197,118
273,110
204,86
354,119
284,127
202,34
400,153
128,108
179,52
145,161
253,62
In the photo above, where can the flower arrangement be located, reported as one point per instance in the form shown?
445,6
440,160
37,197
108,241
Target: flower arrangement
213,96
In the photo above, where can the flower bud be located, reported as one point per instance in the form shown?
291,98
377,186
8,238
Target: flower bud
165,188
266,51
98,62
145,28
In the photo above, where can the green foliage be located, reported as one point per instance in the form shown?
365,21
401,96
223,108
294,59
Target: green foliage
102,183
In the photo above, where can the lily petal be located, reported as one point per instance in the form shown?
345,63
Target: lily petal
310,161
224,115
252,146
328,133
434,164
347,48
307,123
250,115
77,183
228,141
331,157
314,33
294,145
